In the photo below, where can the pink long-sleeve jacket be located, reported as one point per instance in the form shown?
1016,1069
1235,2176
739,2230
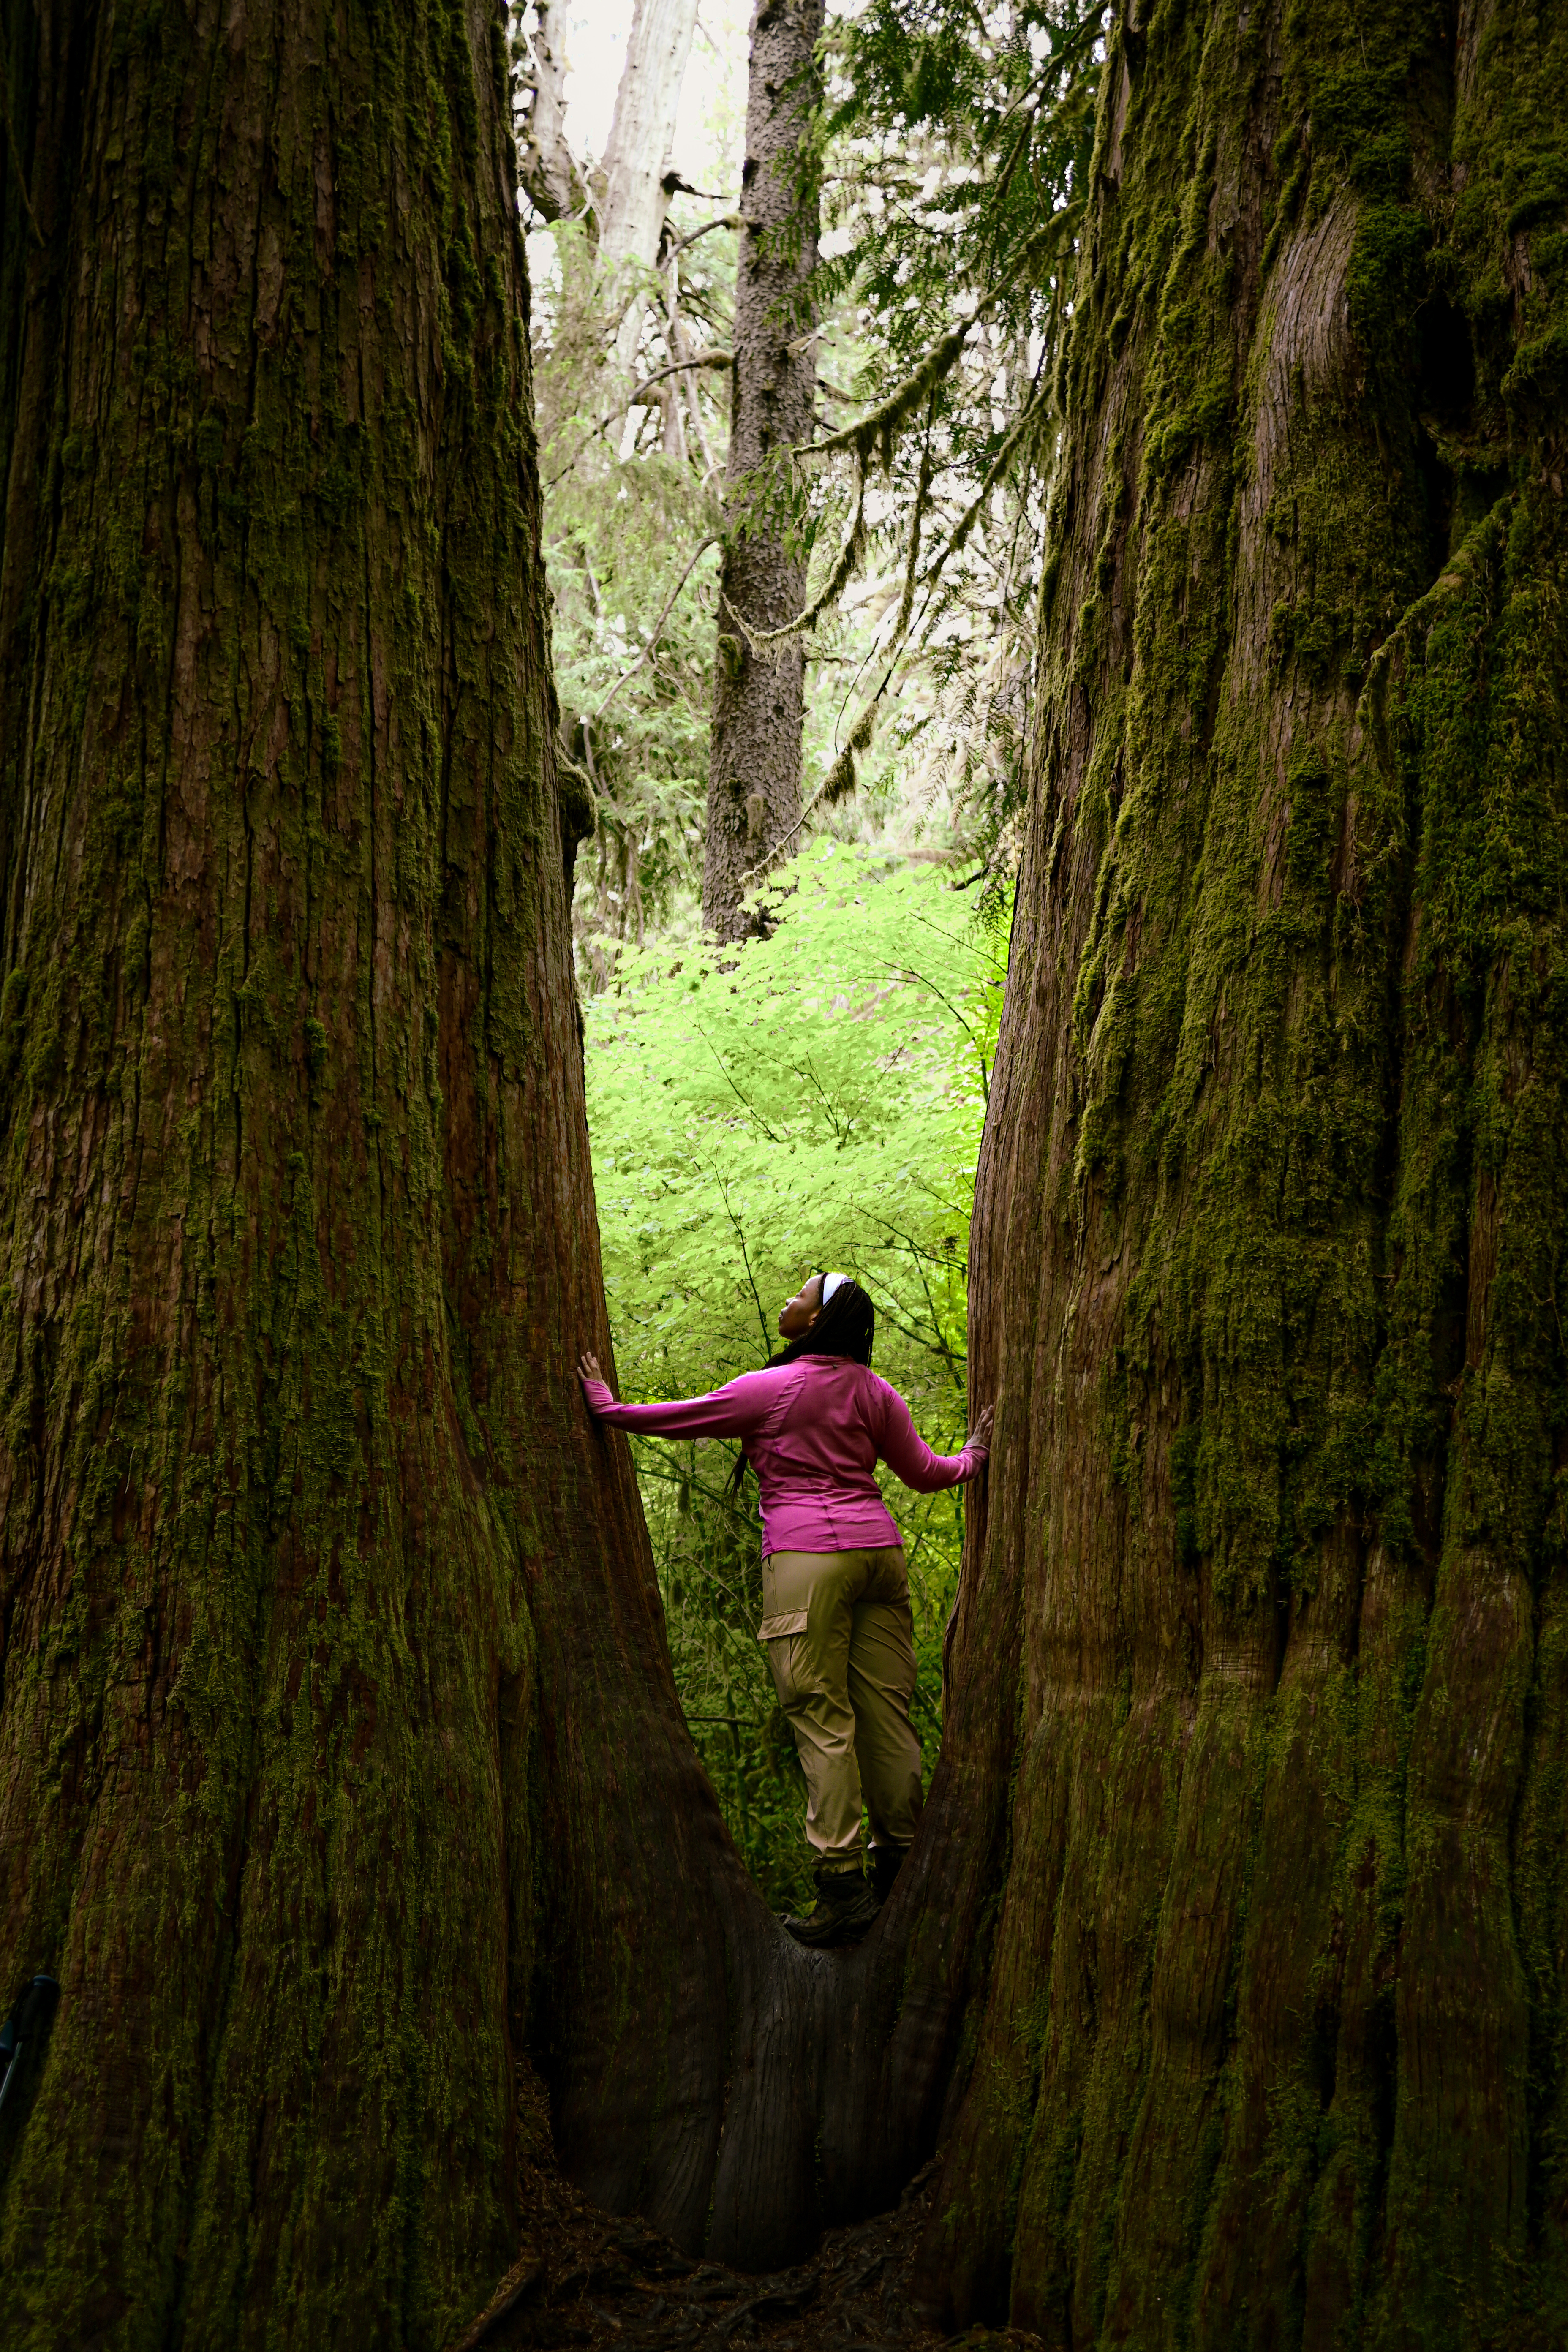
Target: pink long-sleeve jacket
814,1432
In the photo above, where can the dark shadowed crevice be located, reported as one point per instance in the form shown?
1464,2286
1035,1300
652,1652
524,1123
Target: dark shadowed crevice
1445,363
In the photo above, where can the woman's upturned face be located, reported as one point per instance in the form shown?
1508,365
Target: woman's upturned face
799,1313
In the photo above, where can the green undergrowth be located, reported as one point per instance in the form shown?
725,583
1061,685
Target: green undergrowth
809,1100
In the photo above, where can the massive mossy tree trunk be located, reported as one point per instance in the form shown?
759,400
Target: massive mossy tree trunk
339,1754
759,706
1272,1235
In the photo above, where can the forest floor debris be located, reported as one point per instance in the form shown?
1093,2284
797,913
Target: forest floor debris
587,2278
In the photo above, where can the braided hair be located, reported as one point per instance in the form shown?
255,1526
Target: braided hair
847,1325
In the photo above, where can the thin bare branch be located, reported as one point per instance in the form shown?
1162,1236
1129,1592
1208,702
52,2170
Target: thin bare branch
933,990
703,358
627,675
719,220
741,1235
740,1095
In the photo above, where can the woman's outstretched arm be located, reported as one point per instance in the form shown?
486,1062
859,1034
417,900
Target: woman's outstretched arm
733,1411
906,1452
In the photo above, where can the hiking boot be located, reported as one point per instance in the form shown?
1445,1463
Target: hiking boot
846,1907
887,1861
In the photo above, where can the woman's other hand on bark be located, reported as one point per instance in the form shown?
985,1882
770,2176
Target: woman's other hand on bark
981,1432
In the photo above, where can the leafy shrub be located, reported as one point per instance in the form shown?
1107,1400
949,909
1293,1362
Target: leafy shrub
812,1100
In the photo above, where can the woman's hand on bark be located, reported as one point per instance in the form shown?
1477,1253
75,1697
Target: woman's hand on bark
981,1432
588,1367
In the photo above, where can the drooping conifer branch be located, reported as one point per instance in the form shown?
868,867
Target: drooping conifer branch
877,427
876,430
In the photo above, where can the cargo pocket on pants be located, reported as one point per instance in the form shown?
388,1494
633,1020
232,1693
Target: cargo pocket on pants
780,1638
772,1627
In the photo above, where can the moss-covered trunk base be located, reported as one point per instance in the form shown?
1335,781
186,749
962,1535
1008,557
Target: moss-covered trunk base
1271,1225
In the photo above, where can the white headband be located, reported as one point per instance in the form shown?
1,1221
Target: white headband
830,1283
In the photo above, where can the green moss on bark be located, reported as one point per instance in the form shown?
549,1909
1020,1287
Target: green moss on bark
296,1500
1286,998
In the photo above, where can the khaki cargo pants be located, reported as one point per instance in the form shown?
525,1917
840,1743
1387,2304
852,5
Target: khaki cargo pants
840,1643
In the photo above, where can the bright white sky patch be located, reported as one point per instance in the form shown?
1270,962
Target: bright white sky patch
712,98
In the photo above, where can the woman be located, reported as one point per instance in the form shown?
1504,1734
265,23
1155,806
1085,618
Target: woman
835,1597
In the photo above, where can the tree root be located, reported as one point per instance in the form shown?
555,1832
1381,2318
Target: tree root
599,2282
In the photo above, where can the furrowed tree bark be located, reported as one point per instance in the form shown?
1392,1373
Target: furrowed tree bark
342,1774
1269,1238
754,754
342,1780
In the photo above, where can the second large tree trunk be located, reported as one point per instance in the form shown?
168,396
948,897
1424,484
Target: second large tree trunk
1271,1241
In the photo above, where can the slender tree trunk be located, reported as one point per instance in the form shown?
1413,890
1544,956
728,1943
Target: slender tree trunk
1270,1236
753,768
631,217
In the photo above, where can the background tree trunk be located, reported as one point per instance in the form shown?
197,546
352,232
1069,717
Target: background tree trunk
631,217
546,165
753,765
1269,1242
